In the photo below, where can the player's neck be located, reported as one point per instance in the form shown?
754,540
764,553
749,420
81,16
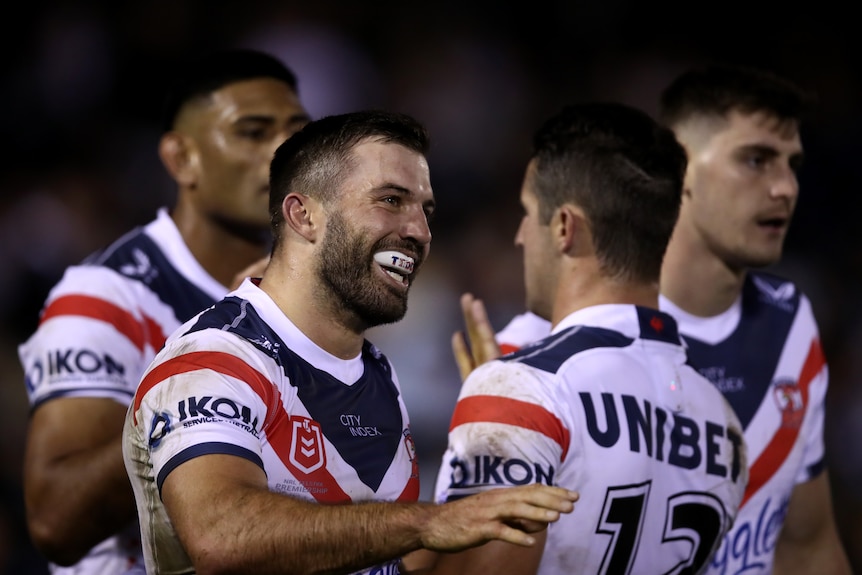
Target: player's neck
697,281
222,252
296,293
589,290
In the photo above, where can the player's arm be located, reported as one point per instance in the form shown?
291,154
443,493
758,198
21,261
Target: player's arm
809,543
476,345
76,488
491,421
228,521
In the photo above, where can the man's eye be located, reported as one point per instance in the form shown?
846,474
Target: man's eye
755,161
254,133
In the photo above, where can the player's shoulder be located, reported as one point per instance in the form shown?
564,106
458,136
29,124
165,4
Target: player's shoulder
131,257
510,379
566,346
522,330
196,344
231,324
134,255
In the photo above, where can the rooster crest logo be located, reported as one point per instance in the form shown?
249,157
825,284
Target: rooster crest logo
790,401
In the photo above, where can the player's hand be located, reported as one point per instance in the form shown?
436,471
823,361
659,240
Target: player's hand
479,345
255,270
504,514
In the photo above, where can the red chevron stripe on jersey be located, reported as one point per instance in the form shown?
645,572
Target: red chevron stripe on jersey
773,456
217,361
96,308
496,409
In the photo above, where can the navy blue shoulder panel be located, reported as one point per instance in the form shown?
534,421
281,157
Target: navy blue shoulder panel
362,420
137,257
657,325
743,365
550,353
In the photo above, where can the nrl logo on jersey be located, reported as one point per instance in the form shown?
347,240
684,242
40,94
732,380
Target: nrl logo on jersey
779,296
790,402
306,445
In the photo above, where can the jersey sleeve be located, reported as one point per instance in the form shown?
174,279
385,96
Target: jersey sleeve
205,393
92,339
504,432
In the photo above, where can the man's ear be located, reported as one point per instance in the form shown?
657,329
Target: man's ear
301,214
568,225
688,183
180,158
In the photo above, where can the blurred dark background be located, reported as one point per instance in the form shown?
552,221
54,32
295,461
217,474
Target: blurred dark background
82,87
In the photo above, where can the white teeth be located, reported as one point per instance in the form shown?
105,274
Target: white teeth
399,263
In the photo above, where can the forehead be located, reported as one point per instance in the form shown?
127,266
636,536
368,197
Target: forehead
759,129
377,165
254,97
528,194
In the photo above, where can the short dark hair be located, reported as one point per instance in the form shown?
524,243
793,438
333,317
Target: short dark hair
217,69
717,89
313,161
624,170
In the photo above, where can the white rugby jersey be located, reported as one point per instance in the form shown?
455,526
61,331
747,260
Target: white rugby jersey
606,405
764,355
100,327
242,379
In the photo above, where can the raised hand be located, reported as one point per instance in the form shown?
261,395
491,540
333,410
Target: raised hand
478,345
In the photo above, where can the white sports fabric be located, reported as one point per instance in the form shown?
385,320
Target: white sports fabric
100,327
765,356
606,405
241,379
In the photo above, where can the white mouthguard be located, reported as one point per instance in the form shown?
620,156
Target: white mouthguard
395,261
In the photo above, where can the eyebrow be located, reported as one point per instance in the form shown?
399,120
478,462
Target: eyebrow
771,152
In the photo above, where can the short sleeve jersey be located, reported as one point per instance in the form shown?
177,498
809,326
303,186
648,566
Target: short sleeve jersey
764,354
608,406
100,327
241,379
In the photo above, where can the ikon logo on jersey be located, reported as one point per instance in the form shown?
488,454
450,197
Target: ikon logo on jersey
63,363
495,470
194,410
790,402
306,445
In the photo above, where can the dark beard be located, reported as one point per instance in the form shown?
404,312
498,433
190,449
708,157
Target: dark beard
345,266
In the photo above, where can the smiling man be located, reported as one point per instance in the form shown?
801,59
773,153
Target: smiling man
265,416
